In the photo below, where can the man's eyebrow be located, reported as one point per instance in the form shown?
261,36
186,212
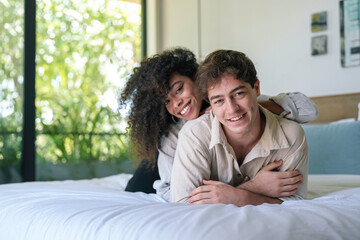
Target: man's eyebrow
237,88
173,85
215,97
234,90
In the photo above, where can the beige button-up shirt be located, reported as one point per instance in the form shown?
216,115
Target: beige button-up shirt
297,107
204,153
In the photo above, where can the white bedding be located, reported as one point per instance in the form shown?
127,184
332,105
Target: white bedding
100,209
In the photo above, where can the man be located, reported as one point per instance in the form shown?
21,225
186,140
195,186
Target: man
235,141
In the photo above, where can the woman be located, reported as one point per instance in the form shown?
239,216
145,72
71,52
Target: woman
163,96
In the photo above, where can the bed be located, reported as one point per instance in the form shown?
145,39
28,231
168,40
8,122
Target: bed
101,209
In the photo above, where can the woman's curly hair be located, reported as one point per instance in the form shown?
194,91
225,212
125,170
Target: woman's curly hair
145,91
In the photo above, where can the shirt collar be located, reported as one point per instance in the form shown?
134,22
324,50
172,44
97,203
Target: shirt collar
273,138
217,133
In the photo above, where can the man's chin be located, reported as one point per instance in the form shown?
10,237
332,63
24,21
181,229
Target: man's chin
240,128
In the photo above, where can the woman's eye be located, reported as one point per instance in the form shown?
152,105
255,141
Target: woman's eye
166,102
179,89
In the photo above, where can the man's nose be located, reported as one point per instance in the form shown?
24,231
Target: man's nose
232,106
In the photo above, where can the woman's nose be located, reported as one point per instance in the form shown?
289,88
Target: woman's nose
177,102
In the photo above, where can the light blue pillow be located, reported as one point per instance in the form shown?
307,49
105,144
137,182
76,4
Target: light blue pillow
334,148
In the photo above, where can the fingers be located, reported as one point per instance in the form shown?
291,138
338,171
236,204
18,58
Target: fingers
289,174
203,198
292,180
206,187
211,182
208,193
289,189
198,198
288,194
203,201
200,189
272,166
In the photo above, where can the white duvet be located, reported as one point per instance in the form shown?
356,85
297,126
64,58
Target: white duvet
100,209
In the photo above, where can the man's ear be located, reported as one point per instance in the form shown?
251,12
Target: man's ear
257,87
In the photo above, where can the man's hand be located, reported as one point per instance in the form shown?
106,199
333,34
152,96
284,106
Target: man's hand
214,192
218,192
272,183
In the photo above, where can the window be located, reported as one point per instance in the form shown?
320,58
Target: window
84,52
11,88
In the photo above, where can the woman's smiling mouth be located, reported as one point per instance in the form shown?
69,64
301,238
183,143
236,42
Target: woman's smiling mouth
185,109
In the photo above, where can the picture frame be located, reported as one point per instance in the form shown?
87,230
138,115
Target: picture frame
319,45
350,33
319,22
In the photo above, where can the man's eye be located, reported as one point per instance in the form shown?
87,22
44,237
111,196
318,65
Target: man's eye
239,94
218,102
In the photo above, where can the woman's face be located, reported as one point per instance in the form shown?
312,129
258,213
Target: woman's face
183,100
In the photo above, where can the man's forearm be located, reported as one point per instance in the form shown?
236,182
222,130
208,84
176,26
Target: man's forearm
249,186
246,197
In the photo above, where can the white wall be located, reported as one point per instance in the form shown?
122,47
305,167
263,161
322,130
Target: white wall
177,25
275,34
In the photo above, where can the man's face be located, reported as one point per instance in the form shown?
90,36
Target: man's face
234,103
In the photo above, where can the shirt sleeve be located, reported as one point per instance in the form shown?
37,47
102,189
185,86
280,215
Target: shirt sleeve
162,185
165,162
298,160
297,107
191,166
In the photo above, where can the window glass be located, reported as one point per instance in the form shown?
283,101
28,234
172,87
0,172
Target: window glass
11,88
85,50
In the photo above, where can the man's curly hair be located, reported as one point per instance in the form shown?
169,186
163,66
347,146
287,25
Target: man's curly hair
145,91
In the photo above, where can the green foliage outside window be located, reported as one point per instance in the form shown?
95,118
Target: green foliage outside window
11,88
84,52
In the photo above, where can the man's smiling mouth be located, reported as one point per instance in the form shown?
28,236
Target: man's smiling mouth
237,118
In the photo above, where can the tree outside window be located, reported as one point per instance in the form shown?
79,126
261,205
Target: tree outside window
84,53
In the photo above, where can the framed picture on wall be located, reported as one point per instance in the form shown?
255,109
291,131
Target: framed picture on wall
350,32
319,45
319,22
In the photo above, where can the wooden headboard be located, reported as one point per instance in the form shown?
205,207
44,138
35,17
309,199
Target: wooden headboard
336,107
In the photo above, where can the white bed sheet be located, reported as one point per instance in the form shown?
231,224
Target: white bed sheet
100,209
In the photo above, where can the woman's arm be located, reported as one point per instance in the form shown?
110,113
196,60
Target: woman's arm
272,106
165,161
294,106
